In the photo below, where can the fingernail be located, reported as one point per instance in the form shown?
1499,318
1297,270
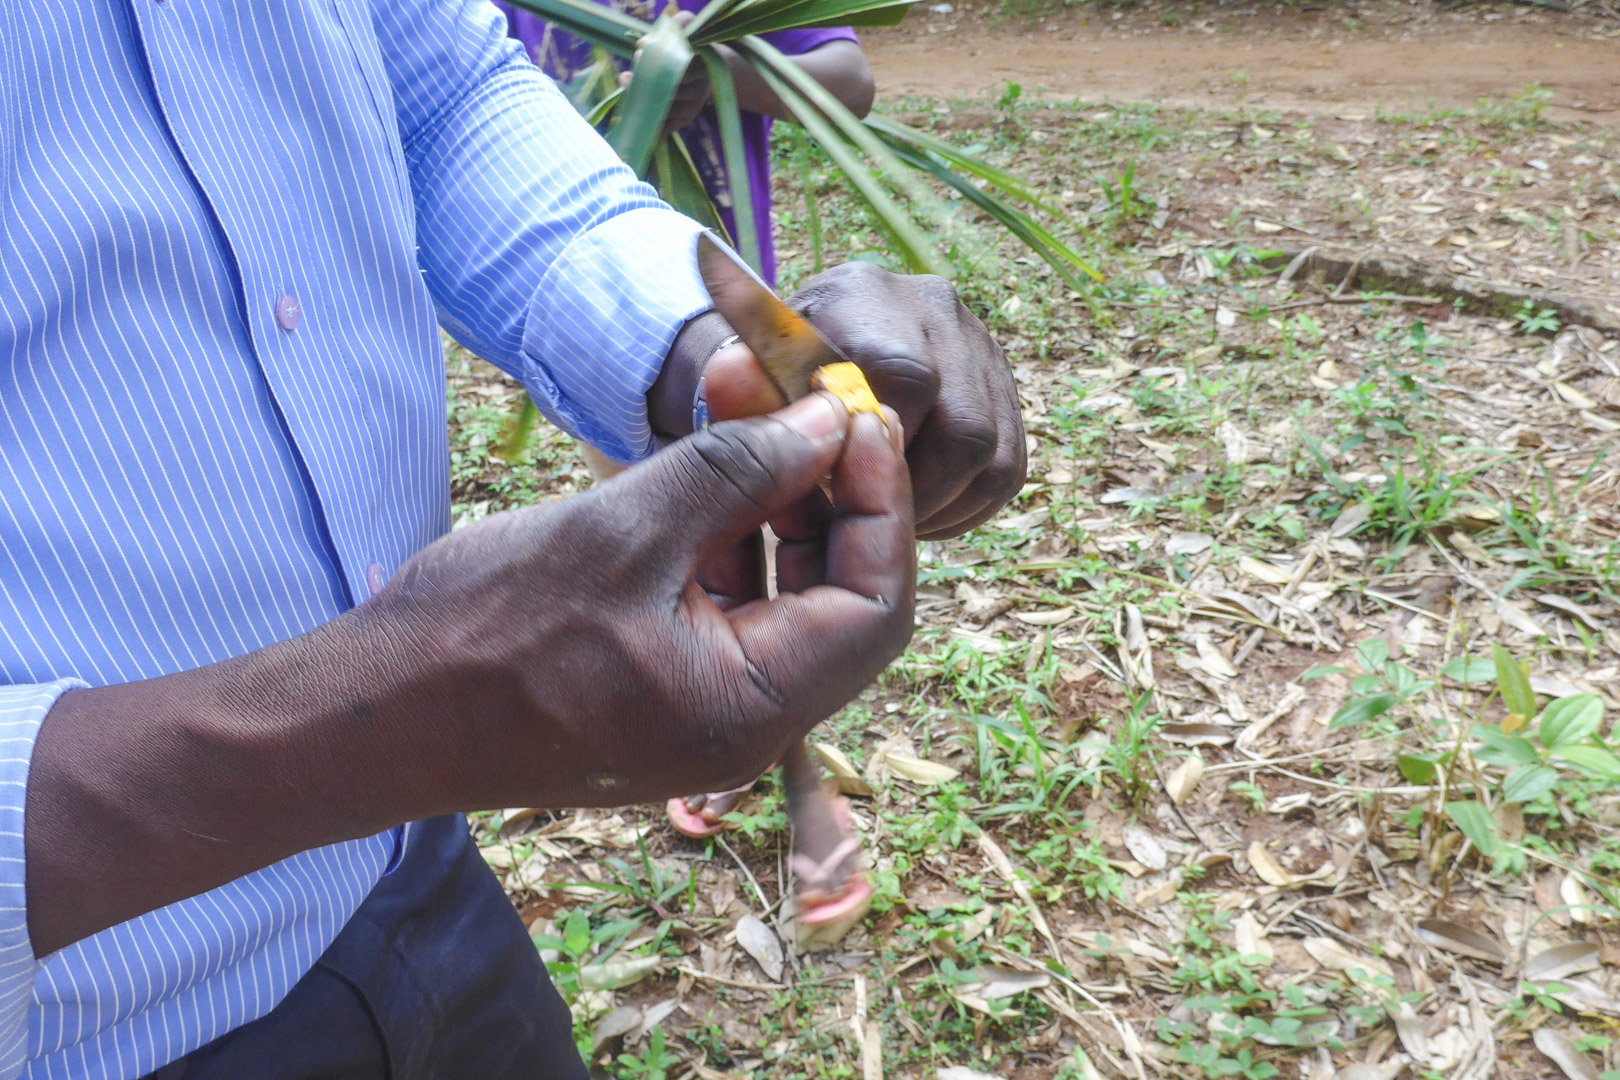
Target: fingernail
818,418
897,433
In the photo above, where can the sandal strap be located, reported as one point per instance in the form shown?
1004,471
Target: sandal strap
813,872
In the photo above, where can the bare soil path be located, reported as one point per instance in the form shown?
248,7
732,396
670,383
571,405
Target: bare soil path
1408,57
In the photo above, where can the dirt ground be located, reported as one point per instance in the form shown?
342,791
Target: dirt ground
1401,57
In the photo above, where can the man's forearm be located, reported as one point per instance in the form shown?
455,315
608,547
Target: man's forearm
145,793
838,65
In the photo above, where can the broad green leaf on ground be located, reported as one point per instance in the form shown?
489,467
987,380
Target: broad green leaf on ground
1528,783
1503,750
1592,760
1474,821
1470,669
1570,720
1416,767
1514,682
1364,709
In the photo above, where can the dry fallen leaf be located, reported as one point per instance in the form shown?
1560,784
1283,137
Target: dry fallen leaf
1188,543
1148,951
757,940
1570,608
1519,619
979,1004
1128,495
1190,734
1350,519
1574,397
1214,661
1360,1070
1466,545
962,1072
993,982
1454,937
1562,960
1335,957
1183,779
1267,868
917,770
621,1021
845,775
1250,938
1575,895
617,974
1562,1052
1409,1029
998,858
1049,617
975,924
1260,570
1145,848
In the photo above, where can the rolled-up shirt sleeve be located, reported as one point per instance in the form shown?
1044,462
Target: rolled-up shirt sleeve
22,709
544,254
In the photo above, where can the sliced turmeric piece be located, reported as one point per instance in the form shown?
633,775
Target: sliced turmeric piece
847,382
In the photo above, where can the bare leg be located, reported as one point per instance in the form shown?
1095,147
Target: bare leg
826,856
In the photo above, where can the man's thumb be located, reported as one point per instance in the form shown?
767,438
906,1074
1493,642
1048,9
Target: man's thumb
714,487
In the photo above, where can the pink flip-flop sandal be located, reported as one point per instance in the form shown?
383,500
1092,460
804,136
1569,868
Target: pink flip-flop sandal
855,894
689,822
810,875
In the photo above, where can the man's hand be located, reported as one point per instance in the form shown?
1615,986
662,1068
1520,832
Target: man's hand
839,66
694,90
628,682
556,656
927,357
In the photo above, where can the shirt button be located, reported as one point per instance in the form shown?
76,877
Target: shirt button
288,313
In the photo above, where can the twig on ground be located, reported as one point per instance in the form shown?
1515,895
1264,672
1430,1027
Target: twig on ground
1348,279
740,984
1294,580
764,904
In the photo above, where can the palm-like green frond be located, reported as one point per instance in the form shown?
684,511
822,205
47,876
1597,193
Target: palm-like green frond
884,161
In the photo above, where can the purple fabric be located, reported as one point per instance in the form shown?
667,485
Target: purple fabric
562,56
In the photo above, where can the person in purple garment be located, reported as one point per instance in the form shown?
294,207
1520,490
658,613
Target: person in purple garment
830,55
829,886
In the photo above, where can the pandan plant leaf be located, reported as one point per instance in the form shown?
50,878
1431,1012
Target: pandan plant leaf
589,21
831,124
879,157
731,145
1057,254
900,135
659,68
913,247
677,180
769,16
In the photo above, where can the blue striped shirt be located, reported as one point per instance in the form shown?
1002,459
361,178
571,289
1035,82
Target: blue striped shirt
229,230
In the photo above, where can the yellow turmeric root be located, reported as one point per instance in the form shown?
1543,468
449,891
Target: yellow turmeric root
847,382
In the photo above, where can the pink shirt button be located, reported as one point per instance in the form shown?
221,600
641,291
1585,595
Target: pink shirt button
288,313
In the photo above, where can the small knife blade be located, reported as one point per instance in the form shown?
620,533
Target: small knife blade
787,347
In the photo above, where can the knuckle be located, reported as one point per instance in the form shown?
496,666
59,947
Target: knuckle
906,378
974,443
936,290
835,283
861,270
725,457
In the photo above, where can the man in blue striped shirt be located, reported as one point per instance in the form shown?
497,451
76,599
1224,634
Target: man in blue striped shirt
237,647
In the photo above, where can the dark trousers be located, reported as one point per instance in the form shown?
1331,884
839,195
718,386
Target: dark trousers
434,978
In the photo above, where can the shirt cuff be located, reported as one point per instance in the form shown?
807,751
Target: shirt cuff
602,321
22,709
